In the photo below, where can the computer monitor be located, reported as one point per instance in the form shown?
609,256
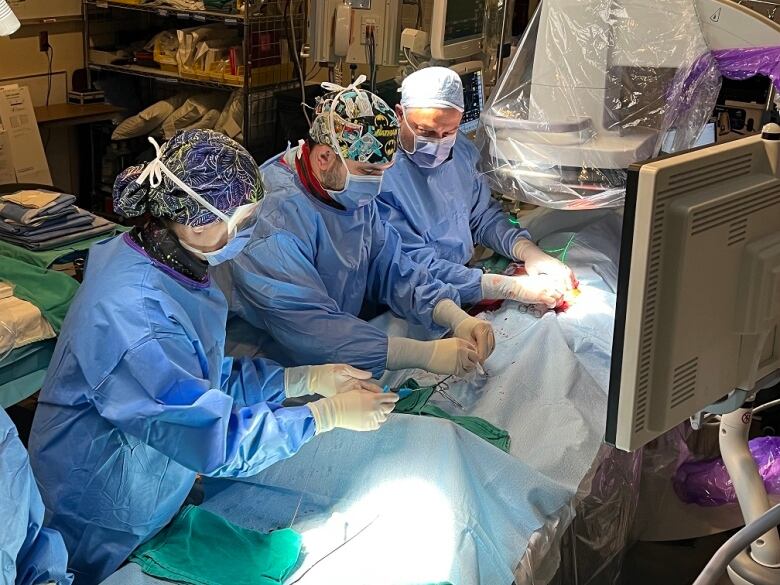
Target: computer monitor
708,136
473,101
698,306
457,28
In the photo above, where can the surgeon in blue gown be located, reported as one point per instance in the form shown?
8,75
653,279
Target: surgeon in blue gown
436,199
29,552
139,397
320,251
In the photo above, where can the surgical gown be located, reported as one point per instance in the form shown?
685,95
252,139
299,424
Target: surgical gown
441,213
29,553
302,280
138,399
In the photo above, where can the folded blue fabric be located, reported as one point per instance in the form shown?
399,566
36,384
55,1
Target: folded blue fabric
26,216
56,239
76,218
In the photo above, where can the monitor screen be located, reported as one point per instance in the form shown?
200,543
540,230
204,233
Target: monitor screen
699,262
706,138
473,100
464,20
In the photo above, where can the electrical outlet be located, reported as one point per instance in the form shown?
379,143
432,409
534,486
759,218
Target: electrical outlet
43,41
366,23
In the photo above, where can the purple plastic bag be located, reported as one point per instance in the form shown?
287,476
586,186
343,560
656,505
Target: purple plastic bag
745,63
707,483
735,64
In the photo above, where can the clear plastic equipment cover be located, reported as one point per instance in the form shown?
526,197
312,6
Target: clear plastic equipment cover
593,87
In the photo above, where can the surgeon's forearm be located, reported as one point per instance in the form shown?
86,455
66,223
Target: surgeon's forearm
404,353
254,380
522,248
449,315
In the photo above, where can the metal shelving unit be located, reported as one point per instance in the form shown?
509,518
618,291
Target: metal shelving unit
263,30
162,76
197,16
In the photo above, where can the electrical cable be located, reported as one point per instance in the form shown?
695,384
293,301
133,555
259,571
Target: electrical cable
50,56
418,22
312,71
766,406
716,568
338,73
412,61
372,45
347,541
293,47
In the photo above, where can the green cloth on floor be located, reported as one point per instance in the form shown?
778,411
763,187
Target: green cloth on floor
46,258
417,403
202,548
50,291
22,371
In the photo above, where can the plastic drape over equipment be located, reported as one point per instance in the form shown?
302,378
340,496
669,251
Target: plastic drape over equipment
594,86
707,483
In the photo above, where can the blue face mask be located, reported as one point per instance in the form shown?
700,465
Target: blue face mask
358,191
232,249
429,153
236,243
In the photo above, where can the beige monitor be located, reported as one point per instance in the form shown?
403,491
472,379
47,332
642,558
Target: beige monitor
698,310
457,28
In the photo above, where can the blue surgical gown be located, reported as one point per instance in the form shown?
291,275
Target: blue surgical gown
303,278
138,399
441,213
29,553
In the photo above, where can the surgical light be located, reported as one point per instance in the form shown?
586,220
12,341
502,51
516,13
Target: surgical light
9,24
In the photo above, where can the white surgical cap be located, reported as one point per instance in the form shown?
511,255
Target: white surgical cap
432,87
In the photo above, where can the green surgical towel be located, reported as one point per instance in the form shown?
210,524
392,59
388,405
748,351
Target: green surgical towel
50,291
46,258
417,403
202,548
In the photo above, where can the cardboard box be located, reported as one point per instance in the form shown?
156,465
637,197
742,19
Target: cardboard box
22,138
7,172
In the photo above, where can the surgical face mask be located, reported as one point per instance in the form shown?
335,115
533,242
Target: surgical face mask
241,229
153,173
429,152
358,191
227,252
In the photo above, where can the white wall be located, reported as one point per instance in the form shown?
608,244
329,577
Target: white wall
21,62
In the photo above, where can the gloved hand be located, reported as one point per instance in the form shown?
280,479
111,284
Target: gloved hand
444,356
535,290
538,262
480,333
454,356
325,380
356,410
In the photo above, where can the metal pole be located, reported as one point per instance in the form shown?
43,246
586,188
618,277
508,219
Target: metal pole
500,62
85,35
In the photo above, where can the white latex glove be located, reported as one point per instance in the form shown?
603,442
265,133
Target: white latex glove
356,410
532,290
538,262
454,356
480,333
326,380
444,356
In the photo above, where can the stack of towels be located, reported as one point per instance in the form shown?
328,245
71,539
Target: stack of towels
43,220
